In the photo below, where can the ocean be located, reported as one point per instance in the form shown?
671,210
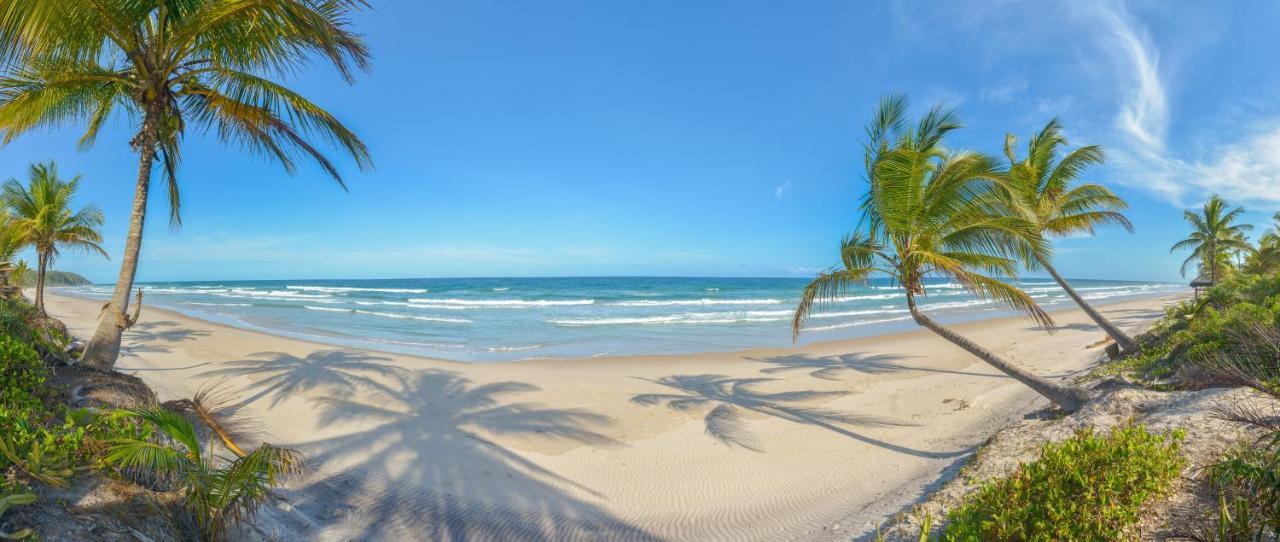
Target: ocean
501,319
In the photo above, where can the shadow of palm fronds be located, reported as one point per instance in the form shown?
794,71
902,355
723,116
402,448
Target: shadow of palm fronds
419,467
280,375
728,399
834,367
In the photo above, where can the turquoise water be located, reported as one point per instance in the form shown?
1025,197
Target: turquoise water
497,319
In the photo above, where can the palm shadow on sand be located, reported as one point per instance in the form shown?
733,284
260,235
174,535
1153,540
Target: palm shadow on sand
151,337
420,468
279,376
835,367
729,398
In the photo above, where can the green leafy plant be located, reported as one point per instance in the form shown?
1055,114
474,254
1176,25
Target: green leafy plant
217,494
1088,487
9,501
22,376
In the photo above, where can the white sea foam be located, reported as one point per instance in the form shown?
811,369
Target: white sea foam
500,289
682,302
501,303
513,348
415,317
725,317
352,289
326,309
219,304
393,315
857,323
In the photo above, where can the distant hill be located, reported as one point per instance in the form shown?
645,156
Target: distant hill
56,278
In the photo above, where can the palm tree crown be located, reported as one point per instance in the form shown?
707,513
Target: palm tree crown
167,65
1043,187
44,219
1214,236
929,213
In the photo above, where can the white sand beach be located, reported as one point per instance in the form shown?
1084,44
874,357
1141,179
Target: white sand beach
815,443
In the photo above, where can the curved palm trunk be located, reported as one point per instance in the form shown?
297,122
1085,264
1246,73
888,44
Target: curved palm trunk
42,263
1118,335
104,347
1069,398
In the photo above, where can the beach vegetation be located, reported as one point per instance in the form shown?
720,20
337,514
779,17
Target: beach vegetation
44,219
934,212
1246,480
165,67
1090,487
1044,187
1215,237
10,499
217,495
1199,342
46,443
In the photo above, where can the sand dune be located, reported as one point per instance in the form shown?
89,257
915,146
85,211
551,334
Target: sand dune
818,442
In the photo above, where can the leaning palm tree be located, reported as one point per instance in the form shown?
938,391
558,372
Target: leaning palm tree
931,213
166,65
1214,236
1043,188
44,219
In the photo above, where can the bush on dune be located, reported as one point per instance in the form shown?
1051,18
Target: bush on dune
45,442
1089,487
1192,332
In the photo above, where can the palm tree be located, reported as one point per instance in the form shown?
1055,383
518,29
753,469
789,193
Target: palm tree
1267,257
1213,238
1043,187
44,220
166,65
930,213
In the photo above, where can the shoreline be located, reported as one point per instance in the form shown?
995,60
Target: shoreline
816,442
890,328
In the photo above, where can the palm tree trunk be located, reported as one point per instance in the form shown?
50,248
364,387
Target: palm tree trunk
1069,398
42,261
1122,339
104,347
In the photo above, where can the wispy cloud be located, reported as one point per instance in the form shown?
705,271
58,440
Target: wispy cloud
1242,167
781,190
1005,91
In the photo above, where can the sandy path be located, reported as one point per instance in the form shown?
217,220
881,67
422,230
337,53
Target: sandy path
817,442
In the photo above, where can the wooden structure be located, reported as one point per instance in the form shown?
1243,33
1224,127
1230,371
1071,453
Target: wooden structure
8,291
1200,283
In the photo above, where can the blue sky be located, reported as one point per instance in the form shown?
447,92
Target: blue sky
701,138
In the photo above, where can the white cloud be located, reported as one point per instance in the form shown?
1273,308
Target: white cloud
781,190
1004,92
1243,168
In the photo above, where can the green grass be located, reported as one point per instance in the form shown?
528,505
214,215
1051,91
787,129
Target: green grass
1248,483
1090,487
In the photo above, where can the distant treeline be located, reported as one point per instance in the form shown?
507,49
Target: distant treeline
55,278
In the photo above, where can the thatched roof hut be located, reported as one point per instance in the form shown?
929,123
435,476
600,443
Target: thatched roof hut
1201,282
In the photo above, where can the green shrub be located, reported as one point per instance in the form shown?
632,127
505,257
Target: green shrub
1089,487
1195,331
8,500
1247,480
22,376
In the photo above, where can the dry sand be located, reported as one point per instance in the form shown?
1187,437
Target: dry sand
818,442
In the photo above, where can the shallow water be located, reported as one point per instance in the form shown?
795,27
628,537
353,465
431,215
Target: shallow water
497,319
